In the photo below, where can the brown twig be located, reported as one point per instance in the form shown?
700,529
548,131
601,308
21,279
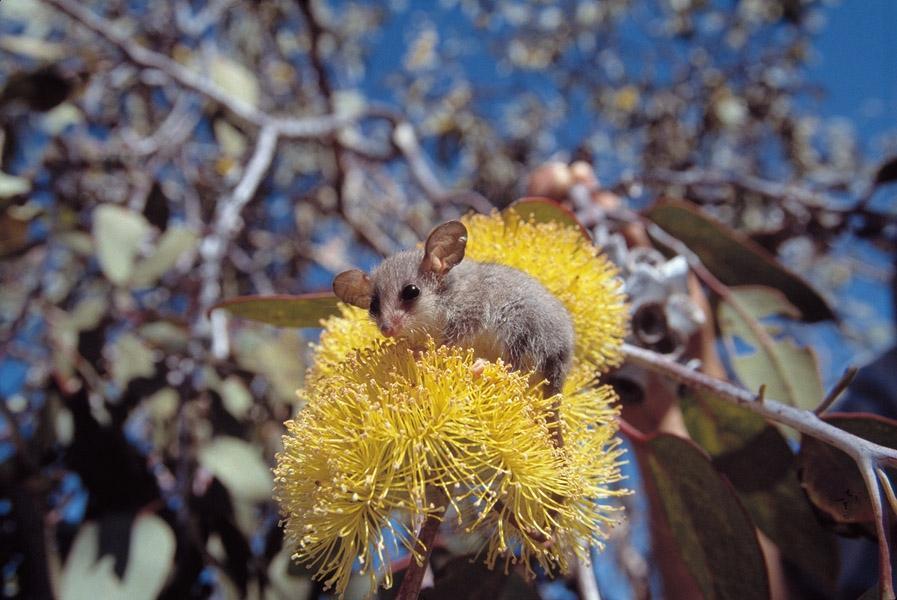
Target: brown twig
837,390
414,576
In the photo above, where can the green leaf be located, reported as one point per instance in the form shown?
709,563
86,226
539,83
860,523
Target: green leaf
715,537
174,243
757,460
543,210
88,576
305,310
790,373
239,466
235,79
831,478
33,47
734,258
131,358
118,234
235,396
278,356
11,185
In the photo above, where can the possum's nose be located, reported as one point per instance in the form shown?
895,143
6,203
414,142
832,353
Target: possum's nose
392,328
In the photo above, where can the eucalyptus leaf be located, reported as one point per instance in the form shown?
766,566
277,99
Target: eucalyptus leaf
239,466
831,478
11,186
543,210
88,576
235,396
131,358
714,534
305,310
759,463
173,244
790,373
118,234
235,79
734,258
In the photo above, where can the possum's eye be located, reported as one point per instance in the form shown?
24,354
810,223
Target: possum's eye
375,305
410,292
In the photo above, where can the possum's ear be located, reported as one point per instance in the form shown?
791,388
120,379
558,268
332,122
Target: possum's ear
444,248
354,287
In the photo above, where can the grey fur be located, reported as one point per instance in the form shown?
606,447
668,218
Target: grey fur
498,310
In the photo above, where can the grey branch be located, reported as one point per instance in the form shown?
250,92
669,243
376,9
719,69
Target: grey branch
868,456
226,225
311,127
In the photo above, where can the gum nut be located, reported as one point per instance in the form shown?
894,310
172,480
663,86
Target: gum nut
649,323
645,285
675,272
583,173
642,255
684,315
606,200
552,180
615,249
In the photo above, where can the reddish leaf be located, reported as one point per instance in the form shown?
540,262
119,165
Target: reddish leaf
760,465
832,479
305,310
734,258
544,210
715,538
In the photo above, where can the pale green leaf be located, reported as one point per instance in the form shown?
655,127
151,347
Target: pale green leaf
60,118
789,373
118,234
165,335
764,302
31,47
230,140
239,466
235,79
10,186
131,358
236,398
175,243
150,558
88,312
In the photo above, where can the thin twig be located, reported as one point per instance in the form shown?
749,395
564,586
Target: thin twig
311,127
867,455
888,489
414,576
226,225
585,579
835,393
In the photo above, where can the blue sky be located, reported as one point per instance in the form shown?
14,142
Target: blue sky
856,64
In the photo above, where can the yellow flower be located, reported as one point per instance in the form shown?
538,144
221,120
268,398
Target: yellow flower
390,436
394,436
569,267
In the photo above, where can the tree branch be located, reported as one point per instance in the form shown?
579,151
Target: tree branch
139,55
225,227
867,455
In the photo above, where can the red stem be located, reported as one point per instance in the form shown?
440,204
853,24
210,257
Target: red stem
414,576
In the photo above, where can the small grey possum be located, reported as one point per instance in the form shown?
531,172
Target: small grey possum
498,311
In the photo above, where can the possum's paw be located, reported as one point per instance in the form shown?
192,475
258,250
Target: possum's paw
478,366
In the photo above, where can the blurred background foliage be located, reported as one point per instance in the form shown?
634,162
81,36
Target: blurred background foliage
158,157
